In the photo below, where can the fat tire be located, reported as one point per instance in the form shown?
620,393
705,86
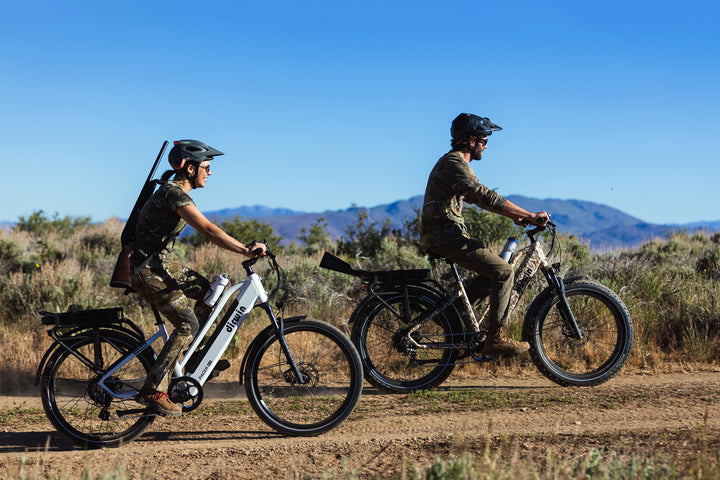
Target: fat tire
74,406
374,334
321,351
606,325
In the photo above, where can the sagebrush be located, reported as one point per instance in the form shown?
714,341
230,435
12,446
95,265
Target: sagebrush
670,285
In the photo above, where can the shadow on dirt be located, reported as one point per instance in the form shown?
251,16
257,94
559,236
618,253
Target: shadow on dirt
50,441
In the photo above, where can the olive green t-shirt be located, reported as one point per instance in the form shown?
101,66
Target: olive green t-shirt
158,223
450,183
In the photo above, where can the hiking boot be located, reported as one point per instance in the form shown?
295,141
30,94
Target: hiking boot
498,343
158,401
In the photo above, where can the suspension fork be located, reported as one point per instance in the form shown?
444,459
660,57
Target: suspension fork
558,285
279,328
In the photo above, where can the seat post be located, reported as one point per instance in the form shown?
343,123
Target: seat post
454,269
158,318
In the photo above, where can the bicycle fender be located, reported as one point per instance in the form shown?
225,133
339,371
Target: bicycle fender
261,337
363,304
51,349
371,298
70,336
43,361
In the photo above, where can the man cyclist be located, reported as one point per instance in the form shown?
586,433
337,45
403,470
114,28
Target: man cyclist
443,230
175,290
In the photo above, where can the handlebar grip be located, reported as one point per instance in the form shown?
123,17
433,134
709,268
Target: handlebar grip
258,251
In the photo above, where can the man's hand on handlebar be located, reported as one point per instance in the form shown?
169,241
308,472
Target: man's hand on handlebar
540,219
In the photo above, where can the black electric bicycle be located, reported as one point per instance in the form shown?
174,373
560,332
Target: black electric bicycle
302,377
410,333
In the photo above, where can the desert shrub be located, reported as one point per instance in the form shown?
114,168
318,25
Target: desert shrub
55,287
670,285
674,304
244,231
102,238
38,223
574,255
316,239
10,256
708,264
312,290
210,260
363,238
394,254
489,228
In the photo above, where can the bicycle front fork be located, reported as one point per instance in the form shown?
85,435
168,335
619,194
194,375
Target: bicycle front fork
294,375
566,313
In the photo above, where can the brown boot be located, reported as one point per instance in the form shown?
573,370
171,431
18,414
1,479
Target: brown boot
158,401
498,343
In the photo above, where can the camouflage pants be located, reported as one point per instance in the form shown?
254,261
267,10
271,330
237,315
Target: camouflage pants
495,277
177,293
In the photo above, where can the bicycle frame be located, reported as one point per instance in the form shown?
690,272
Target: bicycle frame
528,260
249,292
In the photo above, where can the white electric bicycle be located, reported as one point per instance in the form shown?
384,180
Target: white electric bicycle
303,377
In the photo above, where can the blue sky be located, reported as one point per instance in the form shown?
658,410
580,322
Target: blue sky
320,105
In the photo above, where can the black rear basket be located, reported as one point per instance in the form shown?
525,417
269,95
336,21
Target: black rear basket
84,318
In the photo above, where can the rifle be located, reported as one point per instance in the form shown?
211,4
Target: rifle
121,275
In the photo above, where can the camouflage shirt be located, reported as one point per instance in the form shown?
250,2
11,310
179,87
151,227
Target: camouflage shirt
451,182
158,223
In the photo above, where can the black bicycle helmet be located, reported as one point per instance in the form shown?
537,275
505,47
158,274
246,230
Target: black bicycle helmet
467,125
193,150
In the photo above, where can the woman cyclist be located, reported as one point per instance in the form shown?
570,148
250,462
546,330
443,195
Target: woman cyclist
173,289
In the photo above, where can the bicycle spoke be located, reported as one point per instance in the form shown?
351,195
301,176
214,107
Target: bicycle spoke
84,411
328,387
606,337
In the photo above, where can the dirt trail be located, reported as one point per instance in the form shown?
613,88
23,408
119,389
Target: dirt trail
661,412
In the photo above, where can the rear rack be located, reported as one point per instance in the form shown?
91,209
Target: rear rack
84,318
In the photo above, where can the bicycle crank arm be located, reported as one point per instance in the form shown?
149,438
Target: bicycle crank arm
131,411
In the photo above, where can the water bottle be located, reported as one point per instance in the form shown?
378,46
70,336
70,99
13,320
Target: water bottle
509,248
216,290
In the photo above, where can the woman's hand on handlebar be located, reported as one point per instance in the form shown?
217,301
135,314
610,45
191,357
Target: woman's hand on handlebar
256,249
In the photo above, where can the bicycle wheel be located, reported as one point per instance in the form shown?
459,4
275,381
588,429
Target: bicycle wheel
77,407
390,360
607,335
326,394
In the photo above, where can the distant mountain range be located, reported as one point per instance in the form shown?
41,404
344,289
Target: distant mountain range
604,227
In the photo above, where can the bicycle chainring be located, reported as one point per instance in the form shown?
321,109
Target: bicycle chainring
476,345
187,392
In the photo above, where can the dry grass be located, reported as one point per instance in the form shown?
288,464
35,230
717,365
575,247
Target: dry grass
671,288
